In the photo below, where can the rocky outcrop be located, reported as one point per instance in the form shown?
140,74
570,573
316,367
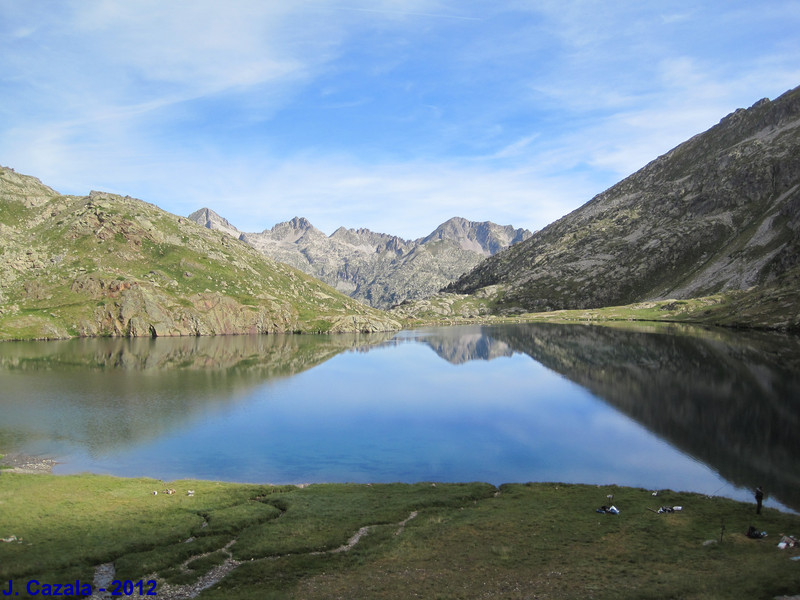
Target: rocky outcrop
379,269
26,191
142,310
106,265
719,213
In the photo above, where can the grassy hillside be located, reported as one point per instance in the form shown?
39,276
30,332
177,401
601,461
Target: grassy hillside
111,265
389,541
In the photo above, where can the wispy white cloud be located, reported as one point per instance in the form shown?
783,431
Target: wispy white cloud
408,199
515,148
669,18
390,114
404,9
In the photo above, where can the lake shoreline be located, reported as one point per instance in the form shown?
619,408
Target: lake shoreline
25,464
16,462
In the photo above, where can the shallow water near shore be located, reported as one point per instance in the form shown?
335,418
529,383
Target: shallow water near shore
697,410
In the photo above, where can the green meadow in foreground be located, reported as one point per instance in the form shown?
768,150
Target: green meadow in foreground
389,540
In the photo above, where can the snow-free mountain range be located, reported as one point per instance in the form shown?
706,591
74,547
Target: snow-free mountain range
708,232
718,214
377,268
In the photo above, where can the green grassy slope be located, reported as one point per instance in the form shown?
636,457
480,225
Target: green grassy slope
111,265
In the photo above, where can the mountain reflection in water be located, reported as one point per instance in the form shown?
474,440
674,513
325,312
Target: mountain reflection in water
377,408
106,394
729,399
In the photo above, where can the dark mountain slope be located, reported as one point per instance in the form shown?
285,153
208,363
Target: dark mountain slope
720,212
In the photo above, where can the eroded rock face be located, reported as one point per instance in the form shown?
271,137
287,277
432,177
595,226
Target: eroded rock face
143,311
719,212
378,269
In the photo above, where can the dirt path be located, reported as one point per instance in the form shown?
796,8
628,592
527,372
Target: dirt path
168,591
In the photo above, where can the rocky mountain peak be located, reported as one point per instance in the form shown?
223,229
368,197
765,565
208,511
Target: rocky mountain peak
363,237
288,232
484,237
211,220
300,223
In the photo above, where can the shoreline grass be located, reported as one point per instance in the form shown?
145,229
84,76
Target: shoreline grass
428,540
757,309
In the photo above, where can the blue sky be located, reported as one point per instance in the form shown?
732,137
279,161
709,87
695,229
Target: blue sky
389,114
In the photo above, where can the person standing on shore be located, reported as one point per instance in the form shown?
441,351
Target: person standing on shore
759,499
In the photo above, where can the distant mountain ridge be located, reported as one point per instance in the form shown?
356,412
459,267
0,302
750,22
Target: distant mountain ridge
718,213
377,268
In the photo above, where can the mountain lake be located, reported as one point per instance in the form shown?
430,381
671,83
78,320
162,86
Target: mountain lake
658,407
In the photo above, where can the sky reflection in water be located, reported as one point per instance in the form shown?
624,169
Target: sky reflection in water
395,411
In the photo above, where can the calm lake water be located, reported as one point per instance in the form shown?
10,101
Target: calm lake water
686,409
